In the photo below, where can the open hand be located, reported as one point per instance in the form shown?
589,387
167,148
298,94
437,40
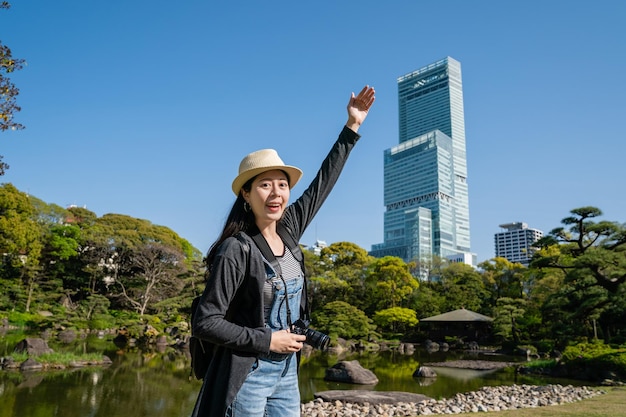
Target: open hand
359,106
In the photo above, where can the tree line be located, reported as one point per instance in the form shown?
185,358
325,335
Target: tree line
115,270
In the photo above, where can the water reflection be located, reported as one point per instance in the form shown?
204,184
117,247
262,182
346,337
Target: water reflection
460,373
135,384
395,373
153,384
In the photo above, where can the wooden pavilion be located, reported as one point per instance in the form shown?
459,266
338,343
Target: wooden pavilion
464,324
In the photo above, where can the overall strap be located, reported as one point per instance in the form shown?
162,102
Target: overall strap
288,238
294,247
269,255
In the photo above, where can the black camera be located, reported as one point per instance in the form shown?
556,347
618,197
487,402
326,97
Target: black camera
314,338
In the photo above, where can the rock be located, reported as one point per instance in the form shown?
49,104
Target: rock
121,340
372,397
30,365
425,372
67,336
406,348
8,363
351,372
487,399
431,346
33,346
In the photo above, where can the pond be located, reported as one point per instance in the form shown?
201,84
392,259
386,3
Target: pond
157,384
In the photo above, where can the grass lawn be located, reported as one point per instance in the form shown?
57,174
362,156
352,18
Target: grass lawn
611,404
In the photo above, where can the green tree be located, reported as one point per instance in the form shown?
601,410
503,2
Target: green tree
340,275
598,249
463,287
20,240
8,90
138,260
345,254
340,319
508,312
327,288
94,251
542,286
396,319
504,278
155,278
429,268
427,300
591,255
391,282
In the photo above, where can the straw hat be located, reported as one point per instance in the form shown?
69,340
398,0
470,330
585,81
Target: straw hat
261,161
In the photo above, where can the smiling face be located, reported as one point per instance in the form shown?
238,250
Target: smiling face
268,197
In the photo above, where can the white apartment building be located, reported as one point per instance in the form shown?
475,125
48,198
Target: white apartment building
514,243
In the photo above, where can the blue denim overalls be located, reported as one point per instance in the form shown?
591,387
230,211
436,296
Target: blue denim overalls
271,388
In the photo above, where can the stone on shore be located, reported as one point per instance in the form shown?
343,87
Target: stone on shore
486,399
30,365
351,372
424,372
34,346
372,397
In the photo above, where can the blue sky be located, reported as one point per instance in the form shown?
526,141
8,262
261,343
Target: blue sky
146,108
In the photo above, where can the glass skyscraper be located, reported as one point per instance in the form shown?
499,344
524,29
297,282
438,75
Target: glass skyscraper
425,179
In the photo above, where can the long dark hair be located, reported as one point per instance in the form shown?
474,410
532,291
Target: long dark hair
240,219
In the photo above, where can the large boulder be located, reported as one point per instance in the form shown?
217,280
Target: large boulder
34,346
351,372
371,397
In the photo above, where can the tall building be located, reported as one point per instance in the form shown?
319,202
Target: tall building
425,175
515,242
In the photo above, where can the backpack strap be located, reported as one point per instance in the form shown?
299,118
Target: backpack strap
266,251
244,243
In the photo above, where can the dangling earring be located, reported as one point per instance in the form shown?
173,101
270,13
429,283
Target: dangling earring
246,206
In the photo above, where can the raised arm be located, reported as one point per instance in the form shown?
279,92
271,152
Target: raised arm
359,106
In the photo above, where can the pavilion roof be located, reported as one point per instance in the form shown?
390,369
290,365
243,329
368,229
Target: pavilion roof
458,315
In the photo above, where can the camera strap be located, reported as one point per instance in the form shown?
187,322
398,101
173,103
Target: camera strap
267,253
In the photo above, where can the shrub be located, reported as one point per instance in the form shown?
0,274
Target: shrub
30,320
595,359
587,350
102,322
544,346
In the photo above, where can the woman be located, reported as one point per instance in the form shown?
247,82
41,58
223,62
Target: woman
250,301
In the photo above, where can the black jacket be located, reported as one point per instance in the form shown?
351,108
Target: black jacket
230,313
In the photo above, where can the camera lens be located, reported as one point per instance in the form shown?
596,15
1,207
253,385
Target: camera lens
317,340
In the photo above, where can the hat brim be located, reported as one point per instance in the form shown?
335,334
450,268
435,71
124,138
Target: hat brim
294,176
